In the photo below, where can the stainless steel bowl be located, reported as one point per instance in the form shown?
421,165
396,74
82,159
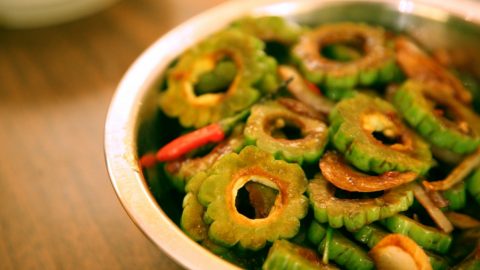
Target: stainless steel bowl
131,121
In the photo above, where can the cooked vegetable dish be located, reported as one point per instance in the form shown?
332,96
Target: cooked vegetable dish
339,146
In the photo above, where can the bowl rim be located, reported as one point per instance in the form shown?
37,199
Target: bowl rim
123,114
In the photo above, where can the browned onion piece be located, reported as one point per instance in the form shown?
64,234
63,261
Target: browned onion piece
341,175
435,213
300,108
458,174
418,65
437,198
462,221
299,89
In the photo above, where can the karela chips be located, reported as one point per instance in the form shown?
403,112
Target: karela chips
286,134
218,193
256,74
440,119
372,137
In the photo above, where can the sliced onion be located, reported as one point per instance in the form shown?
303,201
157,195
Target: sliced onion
462,221
418,65
398,252
458,174
300,108
340,174
435,213
437,198
300,90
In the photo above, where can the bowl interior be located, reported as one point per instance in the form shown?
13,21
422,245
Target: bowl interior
136,121
431,27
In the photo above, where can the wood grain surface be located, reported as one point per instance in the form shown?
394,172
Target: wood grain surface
58,209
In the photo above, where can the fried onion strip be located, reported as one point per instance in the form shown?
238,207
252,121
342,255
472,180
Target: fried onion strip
435,213
462,221
458,174
341,175
418,65
299,89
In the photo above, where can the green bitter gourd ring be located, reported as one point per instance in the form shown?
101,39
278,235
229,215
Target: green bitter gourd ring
368,131
340,249
440,119
427,237
264,129
193,224
354,213
191,220
284,255
270,28
376,65
219,190
256,73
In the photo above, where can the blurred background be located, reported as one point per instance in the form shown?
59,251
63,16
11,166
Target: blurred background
58,209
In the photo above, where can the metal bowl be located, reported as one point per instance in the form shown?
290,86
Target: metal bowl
132,123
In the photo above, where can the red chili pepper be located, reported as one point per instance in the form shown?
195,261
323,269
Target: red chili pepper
212,133
148,160
191,141
312,87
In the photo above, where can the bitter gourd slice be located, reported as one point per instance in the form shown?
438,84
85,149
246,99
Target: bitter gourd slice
354,213
229,174
440,119
270,28
316,232
340,94
473,185
256,74
284,255
286,134
341,250
217,79
456,196
193,224
341,53
371,234
376,65
372,137
192,216
427,237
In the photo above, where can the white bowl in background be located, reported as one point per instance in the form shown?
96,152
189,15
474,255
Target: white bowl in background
38,13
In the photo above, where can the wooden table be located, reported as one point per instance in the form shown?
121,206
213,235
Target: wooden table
58,209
